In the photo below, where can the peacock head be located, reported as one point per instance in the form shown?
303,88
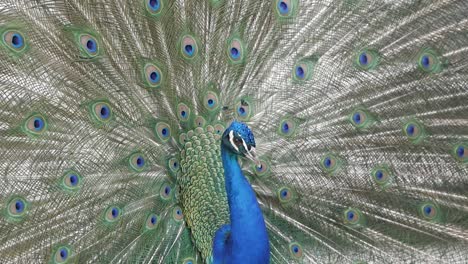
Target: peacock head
239,139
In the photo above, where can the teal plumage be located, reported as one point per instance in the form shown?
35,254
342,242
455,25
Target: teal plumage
112,113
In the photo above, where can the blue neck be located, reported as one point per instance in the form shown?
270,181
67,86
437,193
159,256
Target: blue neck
248,239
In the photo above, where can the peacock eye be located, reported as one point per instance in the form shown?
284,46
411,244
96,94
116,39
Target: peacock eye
235,51
353,217
284,8
137,162
414,131
285,194
295,249
189,47
101,112
35,125
163,131
153,75
152,221
211,101
429,211
183,112
71,181
113,213
177,214
14,40
17,207
154,7
62,254
165,191
367,59
199,121
89,44
460,153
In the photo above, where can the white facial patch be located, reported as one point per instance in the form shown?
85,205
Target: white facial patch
231,139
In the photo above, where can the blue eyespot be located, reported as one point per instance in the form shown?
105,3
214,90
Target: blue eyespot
38,123
461,151
73,180
137,162
151,221
177,214
350,216
415,131
154,5
379,175
62,254
113,214
363,59
14,40
410,130
430,211
235,50
17,41
300,74
89,45
165,191
285,194
430,61
189,47
163,131
140,161
235,54
35,125
241,111
427,210
425,61
173,164
283,7
357,118
189,50
330,163
353,217
382,175
287,127
367,59
184,112
17,207
102,112
154,77
295,249
210,100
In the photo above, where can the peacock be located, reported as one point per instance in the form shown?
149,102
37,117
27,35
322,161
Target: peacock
233,131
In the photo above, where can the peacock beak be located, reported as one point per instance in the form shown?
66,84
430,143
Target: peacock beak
252,155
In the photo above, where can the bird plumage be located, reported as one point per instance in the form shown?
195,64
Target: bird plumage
112,112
